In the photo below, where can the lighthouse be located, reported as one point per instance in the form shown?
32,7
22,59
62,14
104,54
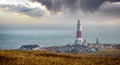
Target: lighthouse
79,32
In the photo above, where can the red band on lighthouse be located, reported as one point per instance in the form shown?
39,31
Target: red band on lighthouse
79,34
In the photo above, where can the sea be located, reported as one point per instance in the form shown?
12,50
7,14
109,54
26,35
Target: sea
14,39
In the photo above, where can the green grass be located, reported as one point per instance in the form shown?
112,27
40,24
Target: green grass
17,57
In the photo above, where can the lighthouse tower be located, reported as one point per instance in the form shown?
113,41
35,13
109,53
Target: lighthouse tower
79,33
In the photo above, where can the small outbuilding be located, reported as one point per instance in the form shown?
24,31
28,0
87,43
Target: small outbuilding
107,45
30,47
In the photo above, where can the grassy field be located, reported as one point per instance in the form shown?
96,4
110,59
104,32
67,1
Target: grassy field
17,57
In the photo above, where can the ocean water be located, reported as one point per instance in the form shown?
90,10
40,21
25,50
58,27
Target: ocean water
44,38
15,39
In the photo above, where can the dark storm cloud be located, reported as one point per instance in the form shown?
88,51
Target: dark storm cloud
58,5
93,5
90,5
113,11
85,5
33,12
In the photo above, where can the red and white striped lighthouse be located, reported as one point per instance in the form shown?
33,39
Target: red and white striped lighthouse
79,32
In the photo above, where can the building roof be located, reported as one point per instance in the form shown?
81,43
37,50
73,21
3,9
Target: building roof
30,46
107,44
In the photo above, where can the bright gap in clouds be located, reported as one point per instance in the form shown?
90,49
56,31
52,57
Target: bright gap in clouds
13,1
24,7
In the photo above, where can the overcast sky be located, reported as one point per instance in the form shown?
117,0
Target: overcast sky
58,13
